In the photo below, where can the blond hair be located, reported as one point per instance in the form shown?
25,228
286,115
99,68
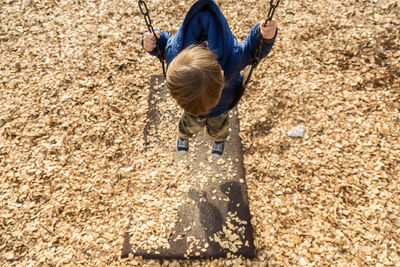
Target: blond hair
195,80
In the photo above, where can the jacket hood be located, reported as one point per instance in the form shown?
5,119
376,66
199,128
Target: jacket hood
203,16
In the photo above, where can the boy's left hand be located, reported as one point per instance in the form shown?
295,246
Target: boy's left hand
268,31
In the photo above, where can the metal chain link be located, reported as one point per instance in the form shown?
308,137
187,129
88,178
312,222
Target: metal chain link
145,12
271,11
270,15
255,59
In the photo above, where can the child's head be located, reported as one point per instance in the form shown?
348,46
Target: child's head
195,80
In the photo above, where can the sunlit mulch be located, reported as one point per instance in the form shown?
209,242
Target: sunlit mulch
74,83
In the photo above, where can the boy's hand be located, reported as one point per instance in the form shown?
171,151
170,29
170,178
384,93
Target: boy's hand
149,41
268,31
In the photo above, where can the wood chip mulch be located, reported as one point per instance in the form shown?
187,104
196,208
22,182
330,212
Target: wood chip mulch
74,84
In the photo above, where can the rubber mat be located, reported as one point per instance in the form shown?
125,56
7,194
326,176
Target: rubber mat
216,220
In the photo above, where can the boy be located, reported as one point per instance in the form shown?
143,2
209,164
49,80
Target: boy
204,62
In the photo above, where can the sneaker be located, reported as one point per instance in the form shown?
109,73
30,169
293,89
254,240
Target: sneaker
182,145
218,148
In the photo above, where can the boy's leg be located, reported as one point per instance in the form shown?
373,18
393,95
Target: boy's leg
218,130
189,125
218,127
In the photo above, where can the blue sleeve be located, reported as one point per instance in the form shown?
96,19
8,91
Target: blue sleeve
244,51
162,42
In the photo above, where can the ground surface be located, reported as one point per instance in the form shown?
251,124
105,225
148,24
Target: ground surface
74,84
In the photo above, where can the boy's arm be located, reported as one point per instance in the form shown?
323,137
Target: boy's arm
245,50
149,42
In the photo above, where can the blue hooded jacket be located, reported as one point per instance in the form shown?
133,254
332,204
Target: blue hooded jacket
232,55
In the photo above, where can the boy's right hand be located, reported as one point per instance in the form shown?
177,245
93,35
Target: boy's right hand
149,41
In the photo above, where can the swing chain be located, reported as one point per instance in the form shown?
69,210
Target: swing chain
145,12
270,15
254,61
271,11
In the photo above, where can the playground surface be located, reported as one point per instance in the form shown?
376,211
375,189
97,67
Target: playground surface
77,169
